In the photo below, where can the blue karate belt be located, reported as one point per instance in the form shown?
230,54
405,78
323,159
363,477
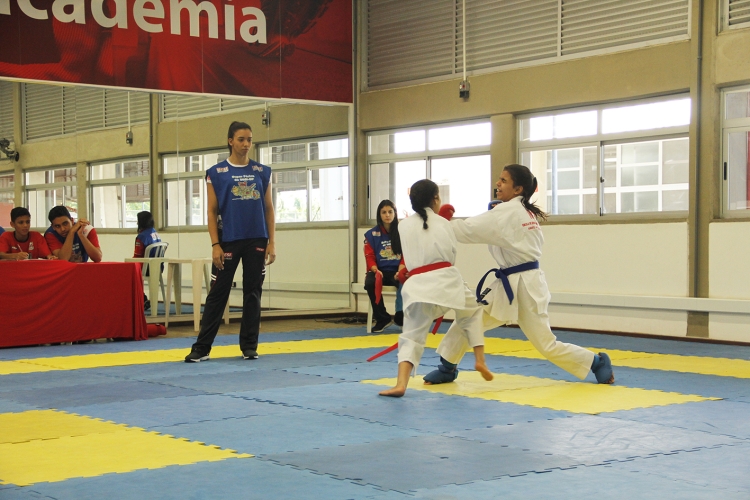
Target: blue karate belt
502,275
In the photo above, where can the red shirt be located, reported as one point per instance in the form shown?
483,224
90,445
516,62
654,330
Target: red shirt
35,245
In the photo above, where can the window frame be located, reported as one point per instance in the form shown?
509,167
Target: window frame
426,155
166,178
728,126
122,182
26,187
11,189
308,166
601,140
723,19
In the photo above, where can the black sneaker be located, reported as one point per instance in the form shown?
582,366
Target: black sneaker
196,357
249,354
382,325
398,318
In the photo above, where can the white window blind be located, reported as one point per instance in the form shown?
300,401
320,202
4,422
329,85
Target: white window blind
182,106
738,12
508,32
53,110
6,110
423,39
409,40
589,25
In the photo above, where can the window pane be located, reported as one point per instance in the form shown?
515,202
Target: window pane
7,181
37,177
326,150
380,144
104,171
675,160
135,169
6,205
648,116
106,206
138,199
737,105
464,183
192,163
567,179
290,195
675,200
738,168
289,153
186,202
461,136
644,201
380,185
629,168
329,196
408,142
406,173
41,201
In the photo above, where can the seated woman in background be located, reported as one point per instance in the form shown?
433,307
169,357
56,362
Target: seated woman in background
147,235
383,256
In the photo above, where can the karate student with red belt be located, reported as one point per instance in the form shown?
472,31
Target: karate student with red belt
517,291
434,286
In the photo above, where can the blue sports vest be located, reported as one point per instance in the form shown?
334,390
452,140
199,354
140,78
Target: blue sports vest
147,237
241,192
381,245
78,247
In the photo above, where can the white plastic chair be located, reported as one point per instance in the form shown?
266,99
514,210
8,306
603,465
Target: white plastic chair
155,251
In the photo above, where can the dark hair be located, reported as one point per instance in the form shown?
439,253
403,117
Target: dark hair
421,195
19,212
233,128
145,220
523,177
58,211
393,231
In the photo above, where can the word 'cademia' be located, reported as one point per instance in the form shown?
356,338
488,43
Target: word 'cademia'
149,15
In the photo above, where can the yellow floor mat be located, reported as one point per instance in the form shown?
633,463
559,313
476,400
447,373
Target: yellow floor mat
53,446
50,424
722,367
575,397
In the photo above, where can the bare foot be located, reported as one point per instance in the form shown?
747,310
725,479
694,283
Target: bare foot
396,392
427,383
486,373
611,379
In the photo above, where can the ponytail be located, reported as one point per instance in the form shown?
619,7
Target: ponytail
421,195
523,177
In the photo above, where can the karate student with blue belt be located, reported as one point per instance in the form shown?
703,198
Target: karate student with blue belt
516,292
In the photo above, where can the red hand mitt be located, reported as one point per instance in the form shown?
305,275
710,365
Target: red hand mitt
446,211
378,287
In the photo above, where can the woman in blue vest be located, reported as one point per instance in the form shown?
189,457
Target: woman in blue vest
383,255
147,235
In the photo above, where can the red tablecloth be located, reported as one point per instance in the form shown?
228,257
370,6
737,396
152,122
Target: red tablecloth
52,301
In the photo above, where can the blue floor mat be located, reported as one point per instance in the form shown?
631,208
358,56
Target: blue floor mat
293,431
616,481
727,418
593,440
179,410
420,462
7,406
229,479
323,397
446,414
157,371
67,397
241,381
43,380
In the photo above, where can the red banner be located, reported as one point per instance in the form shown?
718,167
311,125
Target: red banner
285,49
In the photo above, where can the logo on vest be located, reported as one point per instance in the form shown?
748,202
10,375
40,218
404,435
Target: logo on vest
246,192
259,168
222,169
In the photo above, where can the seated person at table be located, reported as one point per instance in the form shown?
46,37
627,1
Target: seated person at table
147,235
74,242
22,243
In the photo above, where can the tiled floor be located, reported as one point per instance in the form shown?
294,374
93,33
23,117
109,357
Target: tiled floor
130,420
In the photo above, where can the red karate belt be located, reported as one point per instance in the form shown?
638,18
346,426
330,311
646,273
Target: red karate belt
419,270
429,267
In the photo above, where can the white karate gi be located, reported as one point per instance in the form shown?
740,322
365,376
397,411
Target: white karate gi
429,295
514,237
